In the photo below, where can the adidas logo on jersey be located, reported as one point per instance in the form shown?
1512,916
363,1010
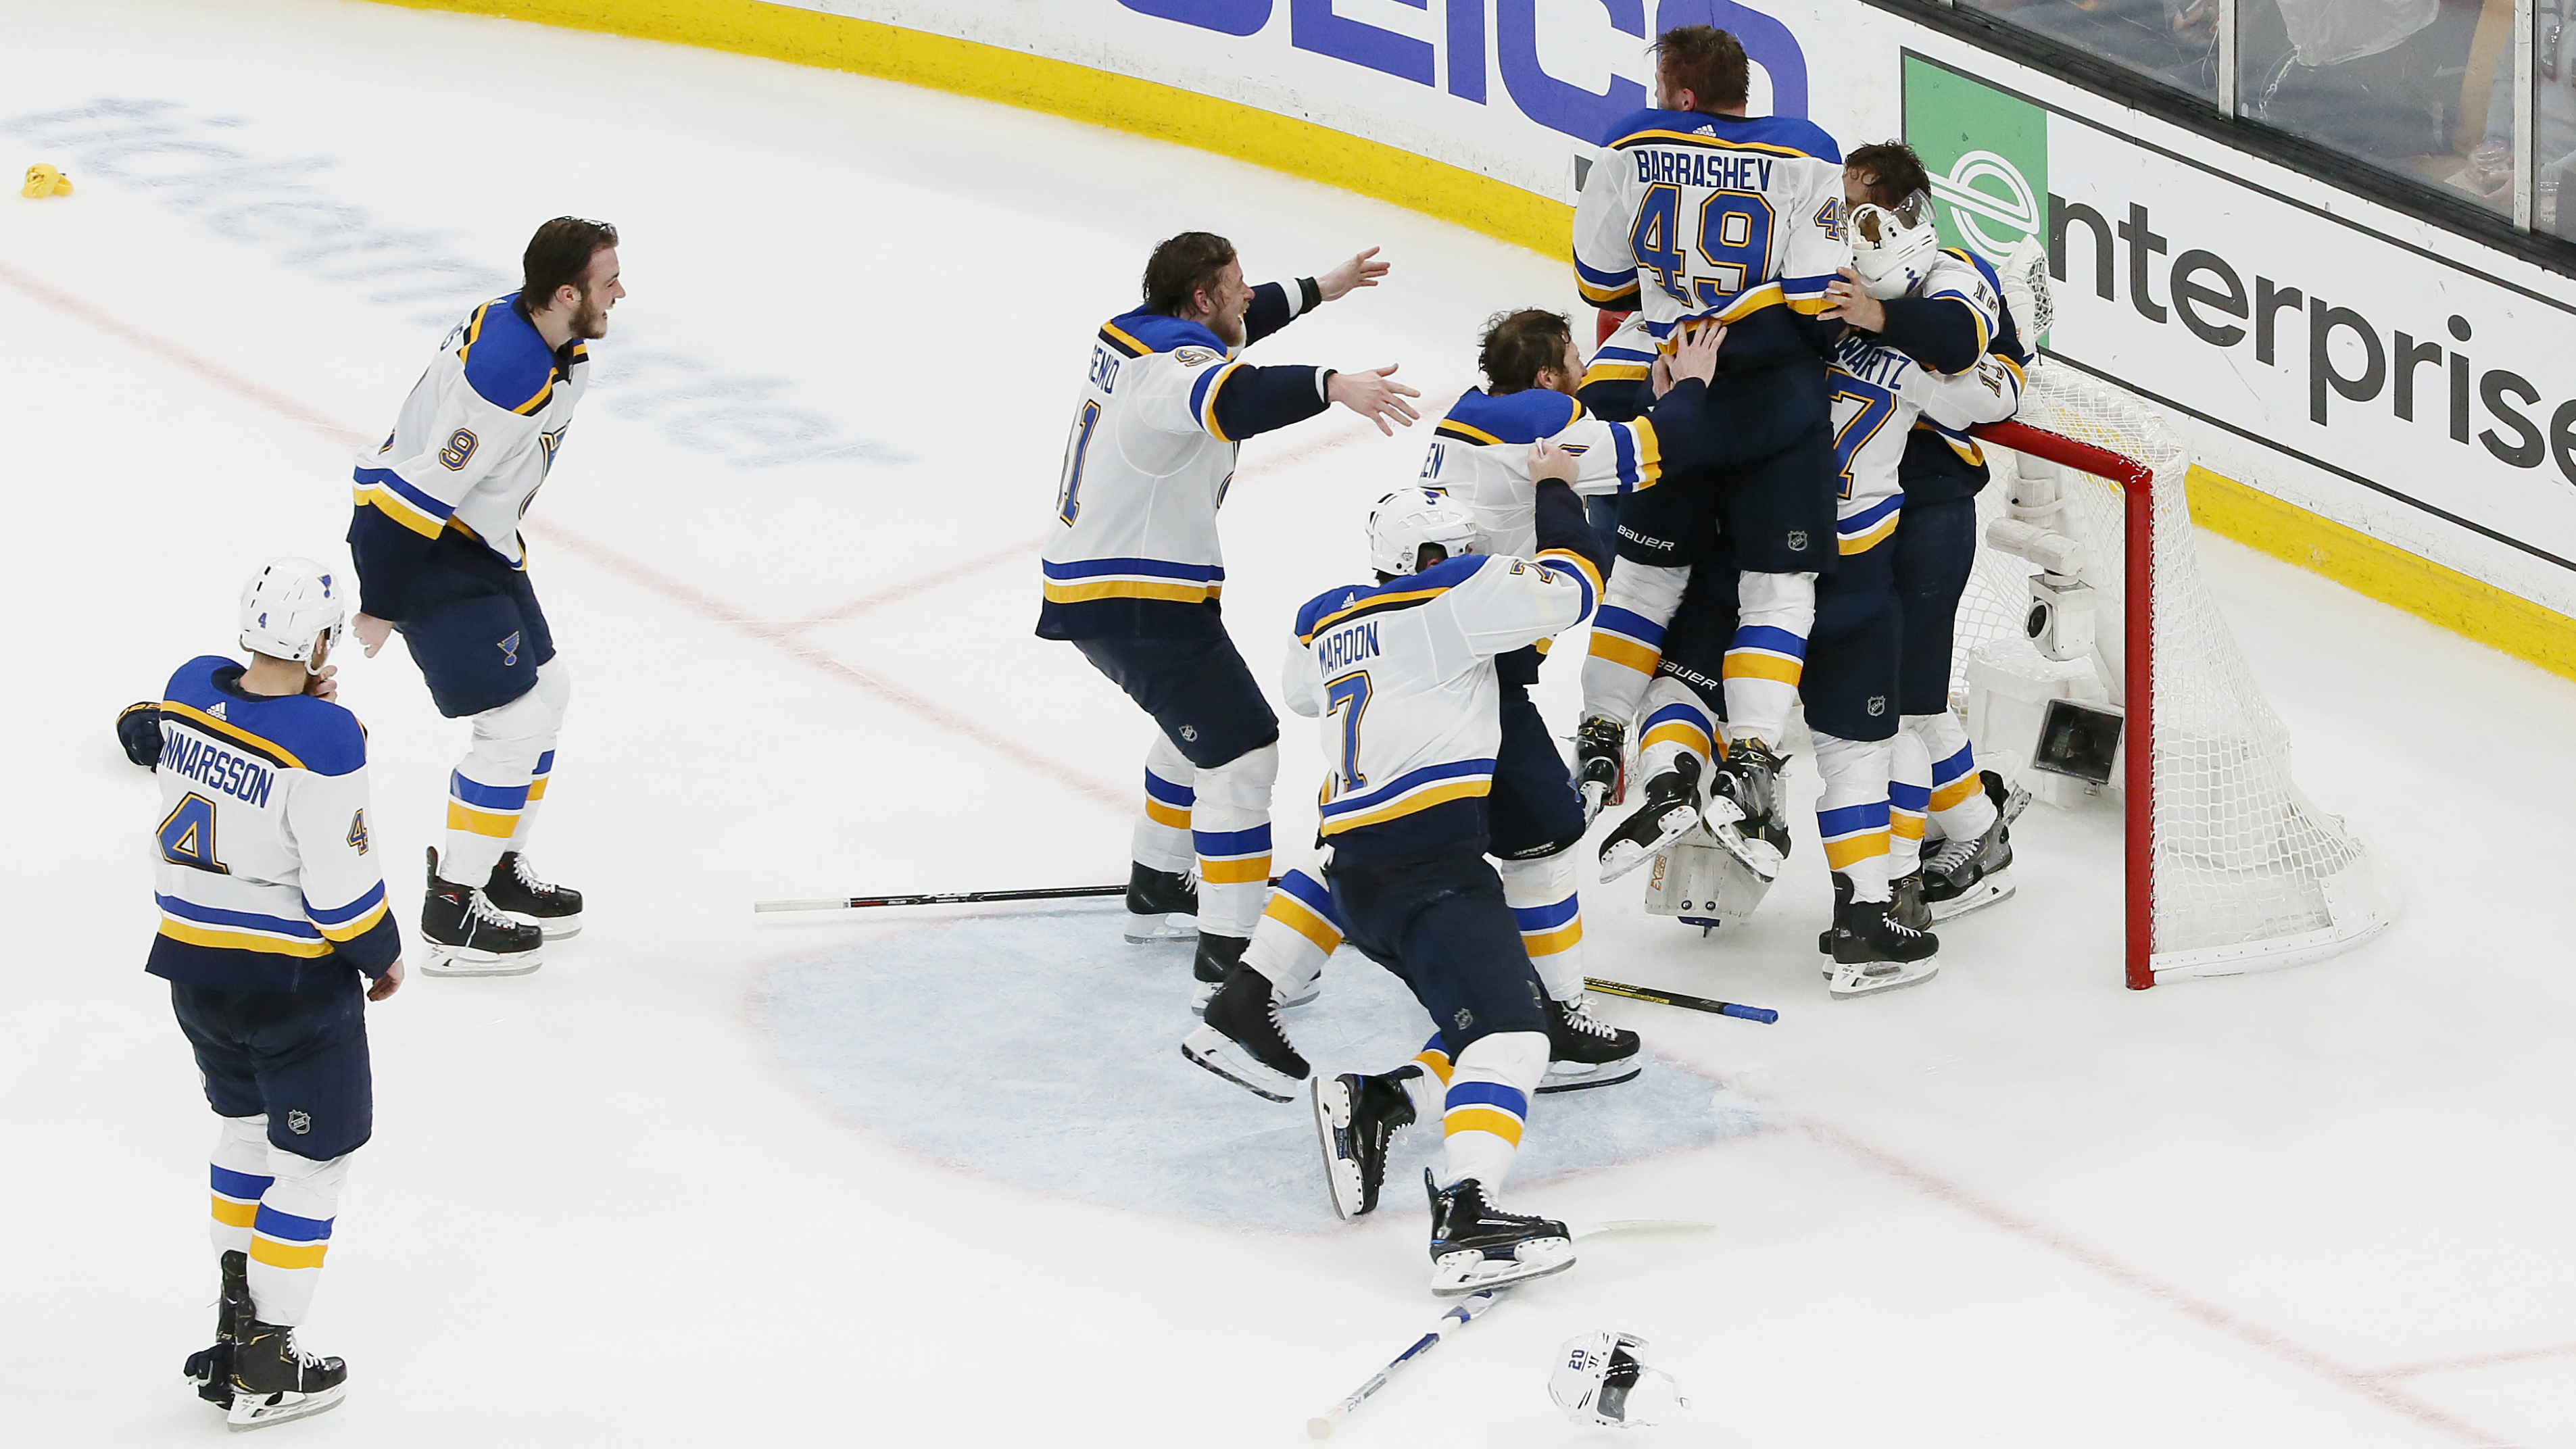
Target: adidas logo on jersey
217,710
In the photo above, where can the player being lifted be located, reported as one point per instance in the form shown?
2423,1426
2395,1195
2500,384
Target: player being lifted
1693,212
1481,454
440,560
1947,312
1401,676
1134,577
272,910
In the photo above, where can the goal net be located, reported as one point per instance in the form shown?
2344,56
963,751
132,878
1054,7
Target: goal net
2087,608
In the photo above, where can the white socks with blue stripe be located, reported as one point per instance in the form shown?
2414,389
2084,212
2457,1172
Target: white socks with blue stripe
1230,826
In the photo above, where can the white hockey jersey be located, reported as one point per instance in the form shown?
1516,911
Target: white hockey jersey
1687,216
1480,454
1144,472
470,448
1402,678
1880,396
267,878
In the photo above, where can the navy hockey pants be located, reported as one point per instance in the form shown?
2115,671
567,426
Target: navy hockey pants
298,1056
1437,920
474,628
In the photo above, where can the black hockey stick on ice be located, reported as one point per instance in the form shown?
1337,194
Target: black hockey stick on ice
1762,1014
956,898
1472,1307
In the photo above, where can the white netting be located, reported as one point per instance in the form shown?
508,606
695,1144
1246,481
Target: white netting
2248,873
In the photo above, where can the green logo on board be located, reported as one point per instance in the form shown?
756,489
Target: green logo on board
1988,155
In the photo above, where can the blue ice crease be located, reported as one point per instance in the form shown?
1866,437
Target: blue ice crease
1043,1049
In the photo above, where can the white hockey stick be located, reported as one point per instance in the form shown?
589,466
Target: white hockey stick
1474,1306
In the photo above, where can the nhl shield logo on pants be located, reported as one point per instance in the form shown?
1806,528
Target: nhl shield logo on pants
509,650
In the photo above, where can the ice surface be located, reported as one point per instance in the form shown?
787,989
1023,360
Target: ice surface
789,550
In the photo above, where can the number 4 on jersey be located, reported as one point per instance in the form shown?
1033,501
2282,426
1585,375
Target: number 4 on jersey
188,835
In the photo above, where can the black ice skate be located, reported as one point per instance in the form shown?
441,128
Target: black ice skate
1218,955
210,1370
1475,1245
1907,903
1585,1051
1872,950
1162,905
1600,749
468,937
1749,779
514,890
1242,1040
1671,809
1962,875
274,1380
1355,1117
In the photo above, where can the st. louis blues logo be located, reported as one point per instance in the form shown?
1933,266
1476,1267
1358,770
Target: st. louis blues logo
510,650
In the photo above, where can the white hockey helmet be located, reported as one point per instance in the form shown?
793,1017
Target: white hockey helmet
1406,519
1893,246
1601,1379
287,607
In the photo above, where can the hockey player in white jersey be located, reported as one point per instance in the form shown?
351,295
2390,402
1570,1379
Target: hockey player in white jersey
272,911
1946,313
1401,678
1481,455
440,561
1134,576
1696,212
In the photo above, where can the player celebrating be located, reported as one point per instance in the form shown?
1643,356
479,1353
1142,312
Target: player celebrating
272,909
1697,212
1480,454
1402,678
1133,579
436,539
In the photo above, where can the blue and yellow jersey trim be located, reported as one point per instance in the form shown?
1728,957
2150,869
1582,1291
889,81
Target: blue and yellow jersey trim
1203,396
506,360
1618,364
1582,570
1661,137
1370,603
1960,442
347,923
1603,287
385,491
295,732
1867,528
1134,334
1408,794
1641,453
1088,580
1508,418
204,723
195,925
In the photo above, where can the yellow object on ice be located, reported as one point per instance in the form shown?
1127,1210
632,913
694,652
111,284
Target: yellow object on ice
45,181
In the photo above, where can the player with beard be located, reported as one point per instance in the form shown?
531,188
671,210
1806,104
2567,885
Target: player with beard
436,541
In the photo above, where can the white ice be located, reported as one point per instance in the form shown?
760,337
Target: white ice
790,558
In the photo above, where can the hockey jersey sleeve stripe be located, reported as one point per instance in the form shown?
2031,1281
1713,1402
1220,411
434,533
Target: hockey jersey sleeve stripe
1415,791
1203,398
1868,536
1607,297
346,919
1615,370
1568,562
385,491
342,935
1604,277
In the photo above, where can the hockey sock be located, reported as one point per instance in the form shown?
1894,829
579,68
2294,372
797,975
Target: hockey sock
1426,1078
291,1233
1487,1103
488,793
1541,892
1768,656
1162,839
1958,794
1297,931
1852,813
1909,795
241,1177
1230,825
554,688
1628,637
1677,723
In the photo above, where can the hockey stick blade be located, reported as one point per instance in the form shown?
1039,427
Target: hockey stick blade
1762,1014
958,898
1461,1313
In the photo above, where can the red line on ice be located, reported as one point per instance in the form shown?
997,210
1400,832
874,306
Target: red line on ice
631,570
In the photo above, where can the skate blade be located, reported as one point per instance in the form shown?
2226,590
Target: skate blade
442,962
1847,982
1454,1275
1146,930
1214,1050
1582,1076
259,1411
1332,1099
1618,857
1724,818
1987,892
